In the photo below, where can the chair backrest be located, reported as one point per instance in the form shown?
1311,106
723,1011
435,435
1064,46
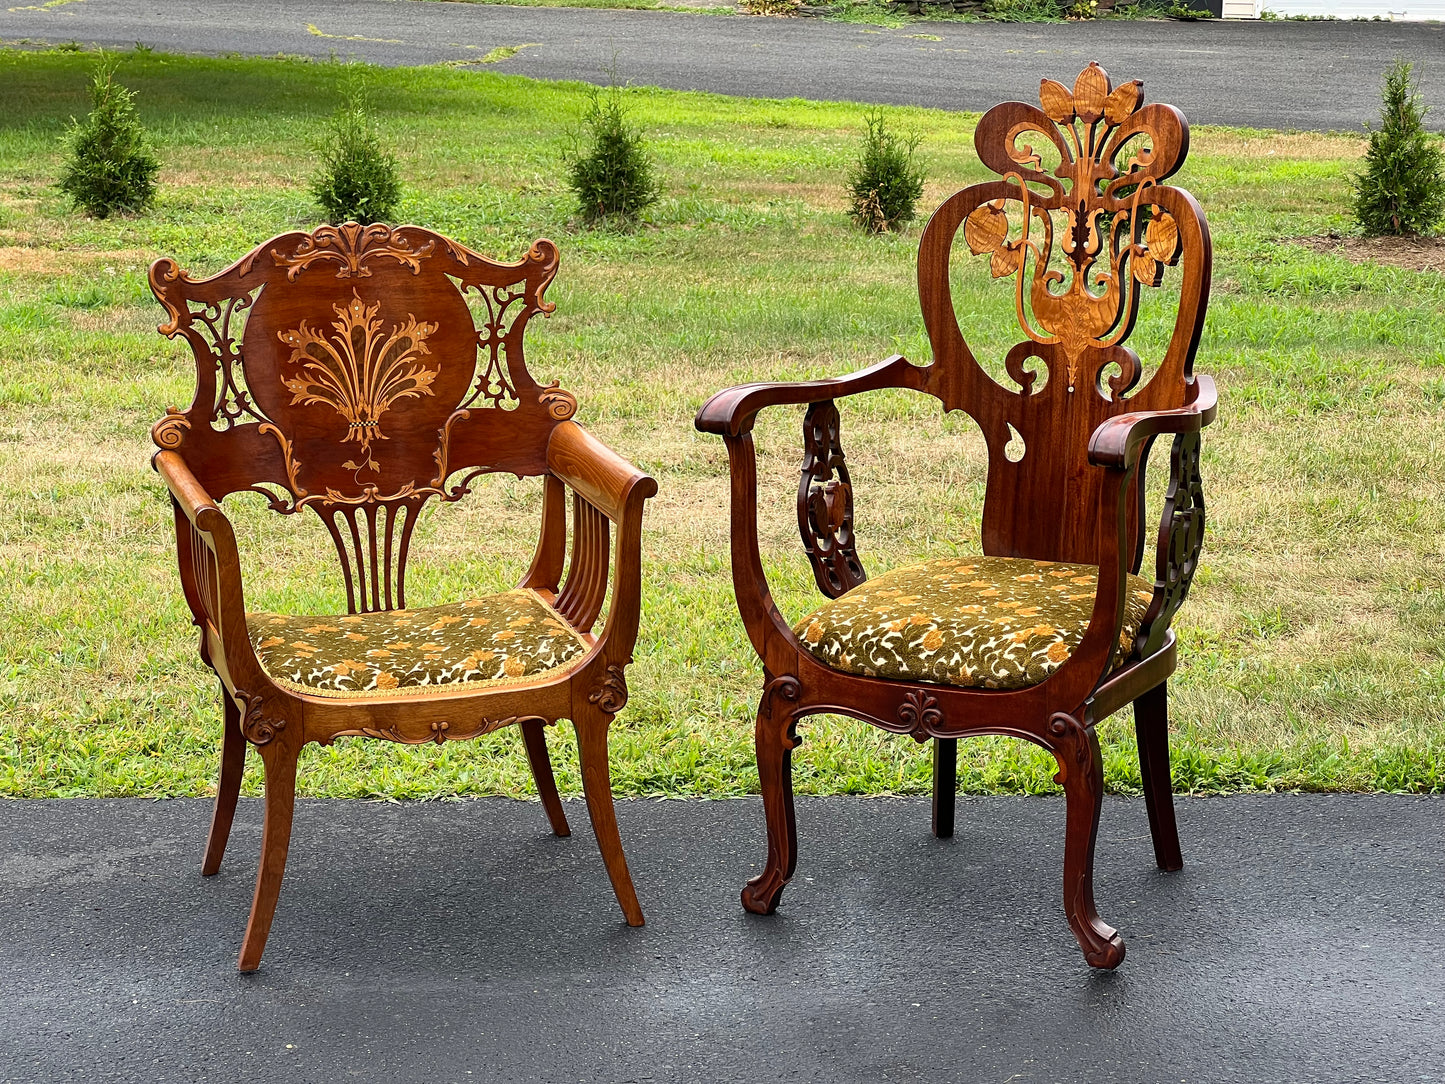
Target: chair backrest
343,369
1079,242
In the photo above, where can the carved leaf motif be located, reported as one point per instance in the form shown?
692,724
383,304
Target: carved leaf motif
1091,90
359,372
1161,236
1122,103
985,229
1058,103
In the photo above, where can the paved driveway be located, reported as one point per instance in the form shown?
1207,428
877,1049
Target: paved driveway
1319,75
449,942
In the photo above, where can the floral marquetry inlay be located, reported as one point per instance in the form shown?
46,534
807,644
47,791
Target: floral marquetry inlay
1080,238
360,370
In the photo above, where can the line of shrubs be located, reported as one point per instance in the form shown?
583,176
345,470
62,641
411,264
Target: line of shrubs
112,165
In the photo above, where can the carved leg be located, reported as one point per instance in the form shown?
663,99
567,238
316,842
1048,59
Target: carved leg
228,786
1151,724
280,765
776,738
592,727
1081,771
535,739
945,785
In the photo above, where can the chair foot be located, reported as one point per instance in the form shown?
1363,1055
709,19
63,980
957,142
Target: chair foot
1151,726
228,785
775,738
591,726
275,841
535,739
1081,771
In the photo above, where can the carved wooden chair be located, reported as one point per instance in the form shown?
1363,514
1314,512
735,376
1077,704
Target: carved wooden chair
1050,629
341,371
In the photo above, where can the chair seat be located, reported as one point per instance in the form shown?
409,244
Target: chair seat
981,622
496,640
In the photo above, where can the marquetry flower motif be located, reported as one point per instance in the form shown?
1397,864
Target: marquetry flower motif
360,369
1094,210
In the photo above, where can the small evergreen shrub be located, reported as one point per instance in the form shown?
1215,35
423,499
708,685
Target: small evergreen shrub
112,167
609,167
1402,187
358,180
884,184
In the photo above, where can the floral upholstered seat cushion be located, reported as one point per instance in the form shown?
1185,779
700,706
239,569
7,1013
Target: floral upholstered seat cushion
495,640
982,622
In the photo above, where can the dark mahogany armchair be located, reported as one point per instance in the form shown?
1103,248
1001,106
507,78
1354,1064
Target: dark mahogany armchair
341,371
1051,628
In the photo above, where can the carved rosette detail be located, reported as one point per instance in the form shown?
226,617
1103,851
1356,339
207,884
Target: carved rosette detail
352,246
920,713
610,695
825,503
785,687
1073,751
1111,237
255,725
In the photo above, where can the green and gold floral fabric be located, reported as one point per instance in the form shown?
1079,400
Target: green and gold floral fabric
981,622
499,639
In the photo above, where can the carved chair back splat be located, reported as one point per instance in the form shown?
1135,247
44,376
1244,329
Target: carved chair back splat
1080,223
343,371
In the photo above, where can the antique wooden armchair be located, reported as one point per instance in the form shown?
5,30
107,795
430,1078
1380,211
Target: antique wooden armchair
341,371
1050,629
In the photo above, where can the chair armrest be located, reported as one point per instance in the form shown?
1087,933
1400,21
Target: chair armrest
598,474
1116,446
1118,441
731,411
210,563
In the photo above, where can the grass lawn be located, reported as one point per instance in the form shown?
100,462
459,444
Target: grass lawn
1313,646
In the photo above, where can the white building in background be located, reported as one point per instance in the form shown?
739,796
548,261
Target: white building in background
1394,10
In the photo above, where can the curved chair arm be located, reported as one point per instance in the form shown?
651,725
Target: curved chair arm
731,414
210,566
602,477
731,411
1116,446
1119,440
605,487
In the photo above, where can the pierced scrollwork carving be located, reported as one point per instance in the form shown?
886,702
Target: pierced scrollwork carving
255,725
1181,529
920,713
611,694
825,504
438,730
1111,235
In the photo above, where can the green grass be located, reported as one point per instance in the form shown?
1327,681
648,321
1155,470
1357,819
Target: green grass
1313,646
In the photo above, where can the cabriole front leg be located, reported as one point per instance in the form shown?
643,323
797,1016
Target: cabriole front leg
776,737
1081,771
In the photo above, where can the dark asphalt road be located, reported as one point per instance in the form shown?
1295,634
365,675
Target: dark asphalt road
1318,76
460,942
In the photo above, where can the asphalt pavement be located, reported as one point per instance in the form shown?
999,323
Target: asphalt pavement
460,942
1319,76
